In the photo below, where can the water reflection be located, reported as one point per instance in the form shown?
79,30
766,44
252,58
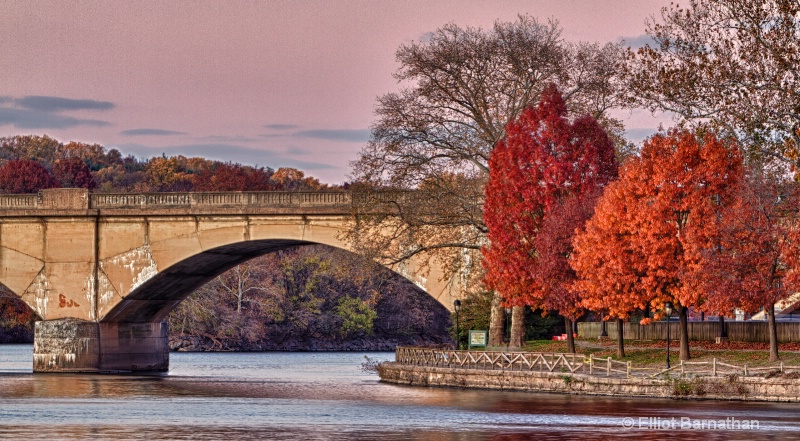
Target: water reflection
325,396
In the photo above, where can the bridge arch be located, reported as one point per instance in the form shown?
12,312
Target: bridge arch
103,271
171,257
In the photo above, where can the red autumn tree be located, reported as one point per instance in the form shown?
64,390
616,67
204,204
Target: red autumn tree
671,195
543,163
73,173
228,176
553,244
24,176
755,263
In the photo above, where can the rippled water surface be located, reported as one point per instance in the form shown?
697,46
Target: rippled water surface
325,396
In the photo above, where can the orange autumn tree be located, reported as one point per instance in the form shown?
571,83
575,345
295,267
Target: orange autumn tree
542,165
608,264
671,194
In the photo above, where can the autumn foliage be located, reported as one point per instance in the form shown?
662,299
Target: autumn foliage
25,176
544,177
73,173
227,176
645,245
755,262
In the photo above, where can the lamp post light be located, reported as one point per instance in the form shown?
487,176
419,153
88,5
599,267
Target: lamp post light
457,307
668,309
508,329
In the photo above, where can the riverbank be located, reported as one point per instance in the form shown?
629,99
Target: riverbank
575,374
776,389
369,344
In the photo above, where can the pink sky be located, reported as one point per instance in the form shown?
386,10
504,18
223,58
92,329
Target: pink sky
272,83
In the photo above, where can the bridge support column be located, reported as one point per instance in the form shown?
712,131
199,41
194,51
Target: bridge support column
72,345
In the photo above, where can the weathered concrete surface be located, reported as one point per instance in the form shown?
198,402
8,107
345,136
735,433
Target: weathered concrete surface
66,345
784,389
112,260
72,345
114,266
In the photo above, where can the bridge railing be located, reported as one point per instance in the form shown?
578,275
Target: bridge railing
18,201
232,199
69,198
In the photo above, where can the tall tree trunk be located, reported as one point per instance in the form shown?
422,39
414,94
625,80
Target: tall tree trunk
570,337
517,327
723,332
496,322
773,333
603,332
684,325
620,338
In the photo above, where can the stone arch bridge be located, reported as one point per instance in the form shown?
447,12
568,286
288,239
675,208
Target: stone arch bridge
103,271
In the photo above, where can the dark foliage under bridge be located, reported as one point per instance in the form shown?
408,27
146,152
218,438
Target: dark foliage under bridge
307,298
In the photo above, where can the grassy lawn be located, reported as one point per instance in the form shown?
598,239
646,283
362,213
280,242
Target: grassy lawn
643,355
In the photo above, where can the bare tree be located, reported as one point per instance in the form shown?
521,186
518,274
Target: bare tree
459,90
731,62
240,280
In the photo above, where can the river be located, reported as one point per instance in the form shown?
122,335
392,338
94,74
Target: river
325,396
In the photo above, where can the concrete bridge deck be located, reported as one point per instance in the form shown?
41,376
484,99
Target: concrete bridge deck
103,271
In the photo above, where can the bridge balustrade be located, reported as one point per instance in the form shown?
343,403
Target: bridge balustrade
18,201
121,200
67,198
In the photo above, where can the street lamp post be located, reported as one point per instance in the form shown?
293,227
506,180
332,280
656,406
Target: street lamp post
603,332
508,329
457,307
668,309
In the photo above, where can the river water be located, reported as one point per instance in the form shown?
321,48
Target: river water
325,396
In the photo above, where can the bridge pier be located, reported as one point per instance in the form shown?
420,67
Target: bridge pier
73,345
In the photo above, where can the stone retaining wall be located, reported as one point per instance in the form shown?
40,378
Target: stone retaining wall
786,388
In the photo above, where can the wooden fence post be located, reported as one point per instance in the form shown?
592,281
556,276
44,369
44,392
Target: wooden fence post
714,367
608,367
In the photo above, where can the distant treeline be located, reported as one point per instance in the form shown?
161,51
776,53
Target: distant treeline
30,163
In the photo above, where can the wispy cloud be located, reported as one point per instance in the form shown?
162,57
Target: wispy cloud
426,37
280,126
335,135
150,132
225,139
31,119
57,104
639,41
44,112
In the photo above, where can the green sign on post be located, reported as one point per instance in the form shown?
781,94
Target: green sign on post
478,339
